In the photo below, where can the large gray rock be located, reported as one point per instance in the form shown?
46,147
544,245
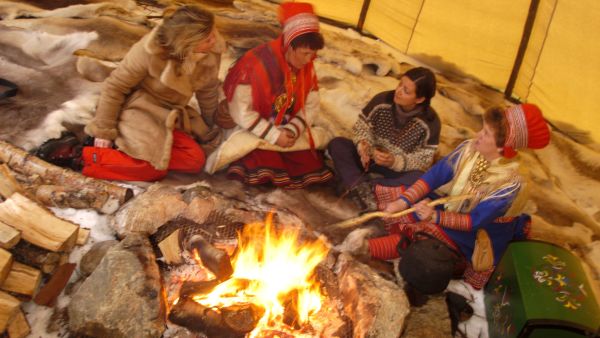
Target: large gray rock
376,306
122,298
149,210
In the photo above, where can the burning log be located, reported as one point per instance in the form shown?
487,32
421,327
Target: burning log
191,288
22,279
231,321
107,197
216,260
38,225
29,254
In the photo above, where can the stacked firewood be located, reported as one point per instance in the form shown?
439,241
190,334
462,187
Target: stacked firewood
34,243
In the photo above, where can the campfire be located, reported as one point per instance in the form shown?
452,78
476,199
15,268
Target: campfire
271,290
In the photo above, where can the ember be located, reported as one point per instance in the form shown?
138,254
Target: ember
273,281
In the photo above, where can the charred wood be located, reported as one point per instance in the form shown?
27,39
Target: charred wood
216,260
191,288
232,321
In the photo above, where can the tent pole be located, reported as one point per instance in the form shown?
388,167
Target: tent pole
533,7
363,15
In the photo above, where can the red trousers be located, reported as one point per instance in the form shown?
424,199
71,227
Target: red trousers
111,164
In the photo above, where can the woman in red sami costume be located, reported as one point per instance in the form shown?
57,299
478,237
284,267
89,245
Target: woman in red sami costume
272,93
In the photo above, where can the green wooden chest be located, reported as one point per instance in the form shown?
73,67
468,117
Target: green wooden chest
540,290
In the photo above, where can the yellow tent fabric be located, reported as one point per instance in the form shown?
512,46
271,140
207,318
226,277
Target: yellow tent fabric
565,83
481,38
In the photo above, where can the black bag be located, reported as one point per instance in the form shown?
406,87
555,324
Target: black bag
427,264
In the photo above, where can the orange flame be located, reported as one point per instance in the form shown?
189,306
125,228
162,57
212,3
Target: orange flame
269,265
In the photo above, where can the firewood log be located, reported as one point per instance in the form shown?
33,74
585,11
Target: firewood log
170,248
231,321
53,288
6,261
216,260
82,236
9,306
19,327
109,196
8,184
9,236
32,255
22,279
38,225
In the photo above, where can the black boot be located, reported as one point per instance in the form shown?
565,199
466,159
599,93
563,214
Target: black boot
64,151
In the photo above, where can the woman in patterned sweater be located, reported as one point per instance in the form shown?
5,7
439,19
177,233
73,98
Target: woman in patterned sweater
484,168
396,136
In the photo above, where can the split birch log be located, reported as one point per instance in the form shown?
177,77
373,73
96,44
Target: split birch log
9,236
38,225
33,255
6,261
82,236
363,218
19,327
170,248
9,306
22,279
109,196
8,184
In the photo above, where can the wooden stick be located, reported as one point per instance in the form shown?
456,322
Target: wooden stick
363,218
52,289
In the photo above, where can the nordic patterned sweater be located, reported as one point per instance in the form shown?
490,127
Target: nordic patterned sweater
411,137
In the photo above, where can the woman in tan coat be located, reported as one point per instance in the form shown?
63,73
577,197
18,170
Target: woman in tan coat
143,108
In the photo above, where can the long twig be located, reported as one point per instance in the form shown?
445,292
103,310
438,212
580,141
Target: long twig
363,218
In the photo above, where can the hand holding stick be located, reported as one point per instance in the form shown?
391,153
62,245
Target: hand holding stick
363,218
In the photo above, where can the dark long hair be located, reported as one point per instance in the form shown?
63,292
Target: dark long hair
425,82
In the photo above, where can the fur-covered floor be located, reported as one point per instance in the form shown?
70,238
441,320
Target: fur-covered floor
59,56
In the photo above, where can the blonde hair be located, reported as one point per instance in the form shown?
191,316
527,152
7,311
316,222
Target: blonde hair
182,28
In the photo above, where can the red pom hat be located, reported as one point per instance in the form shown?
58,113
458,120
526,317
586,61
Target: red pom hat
526,129
297,18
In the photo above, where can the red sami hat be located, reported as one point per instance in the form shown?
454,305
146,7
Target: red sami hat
297,18
526,129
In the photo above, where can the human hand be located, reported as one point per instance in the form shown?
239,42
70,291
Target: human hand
364,152
383,158
286,138
424,211
102,143
396,206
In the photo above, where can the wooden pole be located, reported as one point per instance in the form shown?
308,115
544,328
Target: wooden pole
533,7
363,15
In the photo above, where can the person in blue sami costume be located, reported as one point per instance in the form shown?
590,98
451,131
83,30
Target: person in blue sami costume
485,168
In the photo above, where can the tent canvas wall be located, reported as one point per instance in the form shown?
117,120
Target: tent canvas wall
556,67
